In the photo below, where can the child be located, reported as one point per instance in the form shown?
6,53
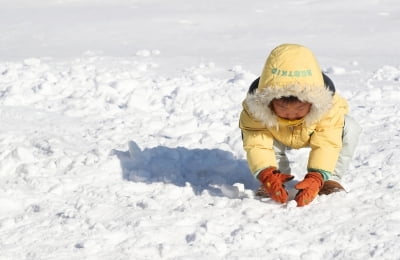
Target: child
294,105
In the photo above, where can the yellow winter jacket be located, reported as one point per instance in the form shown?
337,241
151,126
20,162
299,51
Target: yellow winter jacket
292,70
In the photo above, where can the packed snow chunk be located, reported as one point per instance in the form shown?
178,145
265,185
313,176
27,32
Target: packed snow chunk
155,52
140,98
239,186
179,128
291,204
63,162
143,53
217,132
9,206
374,94
209,65
393,157
241,77
311,255
24,154
125,86
335,70
50,77
230,191
91,244
387,72
32,62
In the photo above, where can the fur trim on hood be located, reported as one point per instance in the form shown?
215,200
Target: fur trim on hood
290,70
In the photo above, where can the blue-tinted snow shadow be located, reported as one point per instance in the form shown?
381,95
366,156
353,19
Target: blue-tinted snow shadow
203,169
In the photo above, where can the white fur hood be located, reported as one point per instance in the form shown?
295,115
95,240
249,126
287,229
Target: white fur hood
290,70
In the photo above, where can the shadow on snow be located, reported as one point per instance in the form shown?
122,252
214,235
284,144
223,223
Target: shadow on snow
203,169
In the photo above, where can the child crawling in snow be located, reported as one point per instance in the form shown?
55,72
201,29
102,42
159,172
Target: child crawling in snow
294,105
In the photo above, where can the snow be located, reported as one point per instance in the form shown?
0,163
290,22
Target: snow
119,130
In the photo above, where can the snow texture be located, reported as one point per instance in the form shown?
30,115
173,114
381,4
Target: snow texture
119,132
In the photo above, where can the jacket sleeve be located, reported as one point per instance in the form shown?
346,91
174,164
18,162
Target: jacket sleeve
257,142
326,141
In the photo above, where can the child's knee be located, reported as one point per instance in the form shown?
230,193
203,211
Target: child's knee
352,127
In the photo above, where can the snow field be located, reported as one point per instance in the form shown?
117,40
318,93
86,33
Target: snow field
119,138
102,158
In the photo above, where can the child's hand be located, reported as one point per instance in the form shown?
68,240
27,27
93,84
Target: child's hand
308,188
273,182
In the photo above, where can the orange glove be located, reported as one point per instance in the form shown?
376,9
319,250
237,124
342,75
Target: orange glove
273,183
308,188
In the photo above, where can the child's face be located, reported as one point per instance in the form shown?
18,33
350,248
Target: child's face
290,111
